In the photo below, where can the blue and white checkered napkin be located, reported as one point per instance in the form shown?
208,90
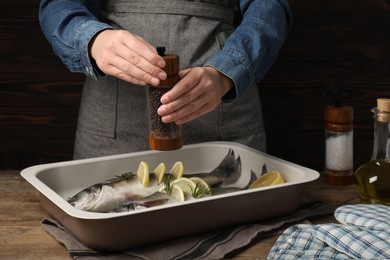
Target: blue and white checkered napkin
363,233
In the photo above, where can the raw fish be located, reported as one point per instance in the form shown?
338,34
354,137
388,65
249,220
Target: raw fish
127,192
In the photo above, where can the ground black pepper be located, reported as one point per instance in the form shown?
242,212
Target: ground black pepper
155,122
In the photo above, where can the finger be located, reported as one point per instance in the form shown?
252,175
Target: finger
143,49
120,68
193,115
136,66
114,71
143,63
160,61
187,99
141,54
184,89
184,72
178,112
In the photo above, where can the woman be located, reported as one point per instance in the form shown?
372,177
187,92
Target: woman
225,48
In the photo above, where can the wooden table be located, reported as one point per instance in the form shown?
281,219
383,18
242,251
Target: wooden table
21,236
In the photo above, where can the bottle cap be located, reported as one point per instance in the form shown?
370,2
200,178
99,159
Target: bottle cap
338,119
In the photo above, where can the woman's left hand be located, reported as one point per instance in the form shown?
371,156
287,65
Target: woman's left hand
198,92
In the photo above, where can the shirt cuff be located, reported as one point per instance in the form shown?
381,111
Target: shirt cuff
233,66
87,31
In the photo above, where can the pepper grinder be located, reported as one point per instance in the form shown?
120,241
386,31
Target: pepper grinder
163,137
339,145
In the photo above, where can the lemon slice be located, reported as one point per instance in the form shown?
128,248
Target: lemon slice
177,170
187,185
176,193
268,179
143,173
200,182
159,172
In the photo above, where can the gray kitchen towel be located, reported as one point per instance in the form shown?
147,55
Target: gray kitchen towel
217,244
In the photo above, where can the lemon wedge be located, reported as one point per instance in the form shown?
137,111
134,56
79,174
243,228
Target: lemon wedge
186,184
268,179
177,170
202,184
159,172
143,173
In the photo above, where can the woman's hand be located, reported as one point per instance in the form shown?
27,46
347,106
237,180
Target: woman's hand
198,92
128,57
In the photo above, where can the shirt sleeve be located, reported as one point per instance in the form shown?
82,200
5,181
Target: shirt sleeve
252,48
69,25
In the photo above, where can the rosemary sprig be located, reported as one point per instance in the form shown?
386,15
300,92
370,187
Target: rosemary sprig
124,176
167,184
199,191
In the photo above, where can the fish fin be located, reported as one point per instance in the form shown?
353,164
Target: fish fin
227,172
264,169
236,173
251,180
227,161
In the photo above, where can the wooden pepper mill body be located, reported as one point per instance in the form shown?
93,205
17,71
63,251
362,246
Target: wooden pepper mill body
164,137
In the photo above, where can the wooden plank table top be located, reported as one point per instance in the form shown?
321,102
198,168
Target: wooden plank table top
21,236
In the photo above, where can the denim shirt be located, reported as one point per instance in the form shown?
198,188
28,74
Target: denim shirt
248,53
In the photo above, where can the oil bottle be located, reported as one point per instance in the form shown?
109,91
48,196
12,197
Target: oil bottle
373,178
164,137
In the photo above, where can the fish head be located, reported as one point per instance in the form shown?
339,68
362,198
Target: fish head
85,198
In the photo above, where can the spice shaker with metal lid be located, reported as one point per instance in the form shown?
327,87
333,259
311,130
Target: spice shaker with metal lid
373,177
162,136
339,145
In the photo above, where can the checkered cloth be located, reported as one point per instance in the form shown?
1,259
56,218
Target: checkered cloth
363,233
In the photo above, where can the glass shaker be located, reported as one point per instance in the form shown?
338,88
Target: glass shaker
163,137
373,178
339,145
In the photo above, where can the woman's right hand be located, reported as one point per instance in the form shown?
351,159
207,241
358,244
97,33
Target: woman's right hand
128,57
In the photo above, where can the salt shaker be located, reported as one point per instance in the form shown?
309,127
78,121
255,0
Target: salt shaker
163,137
339,145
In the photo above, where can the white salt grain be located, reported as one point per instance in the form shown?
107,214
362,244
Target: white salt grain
339,152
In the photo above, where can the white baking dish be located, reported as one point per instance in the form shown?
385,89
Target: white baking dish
56,182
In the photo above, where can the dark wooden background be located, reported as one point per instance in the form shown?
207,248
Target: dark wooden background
337,49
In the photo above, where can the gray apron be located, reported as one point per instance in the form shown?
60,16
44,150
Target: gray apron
113,116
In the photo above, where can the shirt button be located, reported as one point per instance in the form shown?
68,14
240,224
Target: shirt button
89,71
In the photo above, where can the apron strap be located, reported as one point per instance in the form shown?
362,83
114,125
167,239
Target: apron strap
180,7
